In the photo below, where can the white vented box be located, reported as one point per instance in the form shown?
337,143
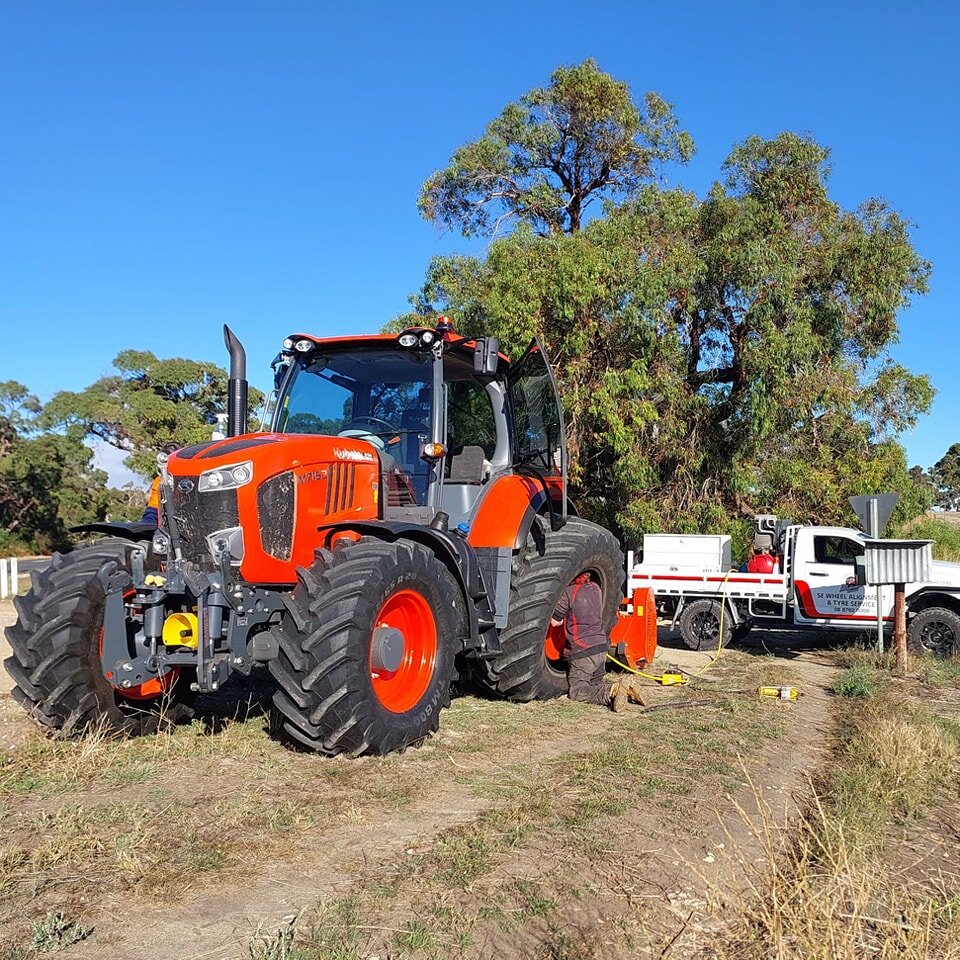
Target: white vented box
695,552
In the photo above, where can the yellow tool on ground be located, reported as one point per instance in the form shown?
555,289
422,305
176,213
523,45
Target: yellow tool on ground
781,693
666,679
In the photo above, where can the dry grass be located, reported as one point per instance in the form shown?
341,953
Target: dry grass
478,888
876,668
828,890
165,816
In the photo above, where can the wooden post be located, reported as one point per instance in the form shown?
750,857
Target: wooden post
900,626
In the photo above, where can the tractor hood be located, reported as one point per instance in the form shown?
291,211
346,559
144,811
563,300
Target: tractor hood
267,495
270,453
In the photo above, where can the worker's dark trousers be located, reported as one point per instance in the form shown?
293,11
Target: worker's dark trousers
588,680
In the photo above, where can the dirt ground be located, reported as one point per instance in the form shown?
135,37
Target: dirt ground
530,830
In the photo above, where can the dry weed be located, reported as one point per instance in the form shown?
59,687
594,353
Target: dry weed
824,891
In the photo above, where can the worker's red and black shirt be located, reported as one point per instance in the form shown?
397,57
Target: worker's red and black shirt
581,609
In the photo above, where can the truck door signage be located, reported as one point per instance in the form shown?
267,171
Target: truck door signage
846,601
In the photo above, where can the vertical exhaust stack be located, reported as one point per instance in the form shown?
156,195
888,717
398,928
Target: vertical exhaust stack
237,387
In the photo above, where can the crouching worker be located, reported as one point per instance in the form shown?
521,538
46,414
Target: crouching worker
580,612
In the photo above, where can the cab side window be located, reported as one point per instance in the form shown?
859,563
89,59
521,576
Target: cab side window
470,420
836,550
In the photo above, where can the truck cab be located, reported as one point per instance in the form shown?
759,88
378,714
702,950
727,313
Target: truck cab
824,579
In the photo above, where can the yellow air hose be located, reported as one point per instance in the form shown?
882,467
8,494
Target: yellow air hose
668,679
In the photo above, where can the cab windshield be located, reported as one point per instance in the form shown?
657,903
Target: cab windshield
381,396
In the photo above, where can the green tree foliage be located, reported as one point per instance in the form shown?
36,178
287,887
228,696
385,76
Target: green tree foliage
18,407
47,480
146,405
555,152
945,478
719,356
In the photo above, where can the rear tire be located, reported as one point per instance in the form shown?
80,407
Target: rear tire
700,625
331,695
542,569
934,632
56,666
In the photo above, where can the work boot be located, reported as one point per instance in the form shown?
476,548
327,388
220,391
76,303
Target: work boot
618,696
633,693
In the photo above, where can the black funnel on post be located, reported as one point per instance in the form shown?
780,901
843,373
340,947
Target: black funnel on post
237,387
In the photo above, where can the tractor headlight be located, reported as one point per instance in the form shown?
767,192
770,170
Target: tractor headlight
226,478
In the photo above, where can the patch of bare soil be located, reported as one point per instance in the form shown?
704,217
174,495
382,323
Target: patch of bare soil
15,726
548,829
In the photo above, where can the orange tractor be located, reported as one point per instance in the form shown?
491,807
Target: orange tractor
405,519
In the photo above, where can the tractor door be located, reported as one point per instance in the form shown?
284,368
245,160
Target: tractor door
539,443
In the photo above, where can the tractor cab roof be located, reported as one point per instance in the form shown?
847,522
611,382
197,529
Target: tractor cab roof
422,337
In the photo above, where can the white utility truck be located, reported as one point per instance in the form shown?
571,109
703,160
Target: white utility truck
814,586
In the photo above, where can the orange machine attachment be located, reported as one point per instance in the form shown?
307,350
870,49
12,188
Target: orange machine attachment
634,636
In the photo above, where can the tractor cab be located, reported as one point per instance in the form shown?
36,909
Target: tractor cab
444,415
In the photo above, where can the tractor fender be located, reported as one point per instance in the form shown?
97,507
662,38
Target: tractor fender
541,508
125,531
506,511
453,551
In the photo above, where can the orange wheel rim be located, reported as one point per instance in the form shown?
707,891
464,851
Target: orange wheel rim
413,632
149,689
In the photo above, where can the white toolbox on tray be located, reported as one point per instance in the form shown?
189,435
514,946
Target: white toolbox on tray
676,551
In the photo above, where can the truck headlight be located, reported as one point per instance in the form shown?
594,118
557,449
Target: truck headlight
226,478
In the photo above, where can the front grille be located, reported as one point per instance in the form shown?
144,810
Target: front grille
341,482
275,503
199,514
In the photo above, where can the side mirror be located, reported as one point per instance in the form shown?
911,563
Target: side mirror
280,365
486,356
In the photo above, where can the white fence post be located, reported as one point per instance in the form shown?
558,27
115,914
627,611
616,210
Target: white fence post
14,576
3,579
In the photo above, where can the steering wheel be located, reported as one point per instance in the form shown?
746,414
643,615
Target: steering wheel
376,421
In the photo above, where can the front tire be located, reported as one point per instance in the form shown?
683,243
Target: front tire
934,632
366,649
56,666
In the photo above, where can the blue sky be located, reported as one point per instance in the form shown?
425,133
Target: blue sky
166,168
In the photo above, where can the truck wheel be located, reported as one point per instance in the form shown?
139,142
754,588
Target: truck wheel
56,665
700,625
934,632
529,667
366,649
